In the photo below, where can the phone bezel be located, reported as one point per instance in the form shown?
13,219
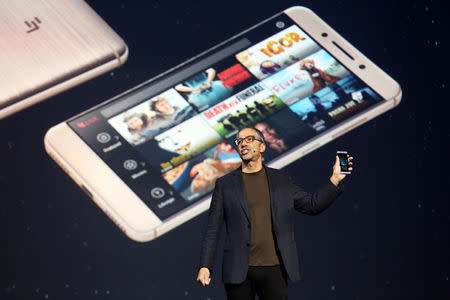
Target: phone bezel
135,218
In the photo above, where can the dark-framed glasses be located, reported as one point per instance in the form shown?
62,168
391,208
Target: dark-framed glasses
248,139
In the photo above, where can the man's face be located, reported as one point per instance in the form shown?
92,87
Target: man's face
269,133
164,107
250,151
135,123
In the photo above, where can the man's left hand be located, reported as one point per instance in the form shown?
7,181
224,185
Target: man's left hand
337,177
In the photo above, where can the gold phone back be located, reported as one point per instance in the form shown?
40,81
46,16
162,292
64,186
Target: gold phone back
46,43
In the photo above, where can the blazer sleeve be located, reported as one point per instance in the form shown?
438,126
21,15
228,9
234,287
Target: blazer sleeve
213,230
315,203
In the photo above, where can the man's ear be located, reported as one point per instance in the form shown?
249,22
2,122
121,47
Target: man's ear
262,148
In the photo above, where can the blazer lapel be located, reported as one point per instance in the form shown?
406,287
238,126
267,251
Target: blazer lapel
271,181
240,191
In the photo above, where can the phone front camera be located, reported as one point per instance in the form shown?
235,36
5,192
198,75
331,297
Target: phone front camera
324,34
279,24
362,67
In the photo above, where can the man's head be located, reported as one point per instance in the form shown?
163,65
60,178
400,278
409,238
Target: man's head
268,133
136,121
307,64
162,106
250,143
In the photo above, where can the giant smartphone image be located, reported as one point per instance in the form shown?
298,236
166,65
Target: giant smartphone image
150,156
48,46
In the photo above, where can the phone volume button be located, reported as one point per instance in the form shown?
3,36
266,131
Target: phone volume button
115,221
86,191
78,182
63,167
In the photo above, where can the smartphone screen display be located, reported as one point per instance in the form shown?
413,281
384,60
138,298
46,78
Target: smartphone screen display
170,139
343,161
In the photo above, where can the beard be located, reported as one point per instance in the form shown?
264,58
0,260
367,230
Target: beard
246,160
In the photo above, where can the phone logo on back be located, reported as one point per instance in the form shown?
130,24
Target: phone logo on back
33,25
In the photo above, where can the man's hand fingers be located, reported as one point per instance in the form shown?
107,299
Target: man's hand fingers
199,279
204,279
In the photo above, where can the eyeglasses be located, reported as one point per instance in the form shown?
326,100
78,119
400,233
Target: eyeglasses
248,139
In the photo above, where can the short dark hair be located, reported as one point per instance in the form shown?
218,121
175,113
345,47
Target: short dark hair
144,118
258,133
154,101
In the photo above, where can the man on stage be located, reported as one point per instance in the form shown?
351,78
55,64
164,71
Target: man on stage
256,203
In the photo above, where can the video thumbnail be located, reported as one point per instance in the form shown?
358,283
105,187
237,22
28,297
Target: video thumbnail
215,84
277,52
282,131
243,109
306,77
312,110
179,143
195,178
348,96
146,120
331,104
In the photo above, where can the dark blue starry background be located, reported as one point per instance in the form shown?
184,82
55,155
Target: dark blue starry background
387,237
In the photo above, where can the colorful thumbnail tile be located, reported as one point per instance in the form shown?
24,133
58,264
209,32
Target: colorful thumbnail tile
341,99
277,52
179,144
306,77
195,178
282,131
243,109
348,96
144,121
211,86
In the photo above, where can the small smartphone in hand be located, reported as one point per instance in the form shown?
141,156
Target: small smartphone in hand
343,162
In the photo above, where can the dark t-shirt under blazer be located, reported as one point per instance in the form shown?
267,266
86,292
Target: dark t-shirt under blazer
262,245
229,206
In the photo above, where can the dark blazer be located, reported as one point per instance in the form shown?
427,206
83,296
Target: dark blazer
229,205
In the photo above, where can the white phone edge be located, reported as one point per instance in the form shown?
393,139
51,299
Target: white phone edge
135,219
60,87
